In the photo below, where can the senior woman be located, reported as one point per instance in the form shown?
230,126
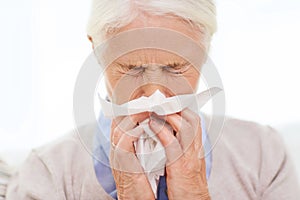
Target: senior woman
248,162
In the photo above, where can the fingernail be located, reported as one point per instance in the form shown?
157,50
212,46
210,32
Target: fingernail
154,125
161,117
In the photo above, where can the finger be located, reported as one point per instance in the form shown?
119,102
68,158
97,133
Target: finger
185,132
129,122
134,117
114,136
168,140
128,138
122,157
191,117
125,161
176,121
195,120
124,124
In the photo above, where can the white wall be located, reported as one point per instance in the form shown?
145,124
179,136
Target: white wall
43,44
257,52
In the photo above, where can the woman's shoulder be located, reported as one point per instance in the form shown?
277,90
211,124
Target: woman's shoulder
238,133
64,166
251,156
70,153
249,142
248,128
75,142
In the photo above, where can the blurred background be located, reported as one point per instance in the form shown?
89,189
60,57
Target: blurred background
44,43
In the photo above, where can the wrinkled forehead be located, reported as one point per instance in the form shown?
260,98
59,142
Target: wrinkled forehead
155,45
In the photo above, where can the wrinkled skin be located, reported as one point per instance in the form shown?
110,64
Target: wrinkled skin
130,180
185,170
186,173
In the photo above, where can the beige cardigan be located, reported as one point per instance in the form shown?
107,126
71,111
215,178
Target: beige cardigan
249,162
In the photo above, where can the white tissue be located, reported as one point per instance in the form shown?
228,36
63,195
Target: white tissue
158,103
149,150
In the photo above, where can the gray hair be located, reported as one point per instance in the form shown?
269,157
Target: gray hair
109,15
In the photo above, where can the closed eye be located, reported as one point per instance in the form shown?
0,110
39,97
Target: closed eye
131,69
177,68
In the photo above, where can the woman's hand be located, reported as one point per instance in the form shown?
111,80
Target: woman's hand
186,173
129,176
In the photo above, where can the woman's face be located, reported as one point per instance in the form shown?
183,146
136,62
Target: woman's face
142,72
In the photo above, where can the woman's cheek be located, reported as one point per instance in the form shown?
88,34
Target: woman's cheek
123,87
193,77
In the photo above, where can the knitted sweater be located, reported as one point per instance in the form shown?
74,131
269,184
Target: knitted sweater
250,161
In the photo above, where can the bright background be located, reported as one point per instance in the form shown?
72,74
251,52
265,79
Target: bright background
43,45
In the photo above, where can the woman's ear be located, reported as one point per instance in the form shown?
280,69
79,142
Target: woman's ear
91,40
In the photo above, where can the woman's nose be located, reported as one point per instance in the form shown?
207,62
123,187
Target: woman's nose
153,73
149,89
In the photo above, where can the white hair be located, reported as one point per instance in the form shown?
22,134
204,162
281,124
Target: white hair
109,15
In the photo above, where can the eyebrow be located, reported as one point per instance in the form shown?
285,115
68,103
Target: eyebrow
177,64
129,66
172,64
